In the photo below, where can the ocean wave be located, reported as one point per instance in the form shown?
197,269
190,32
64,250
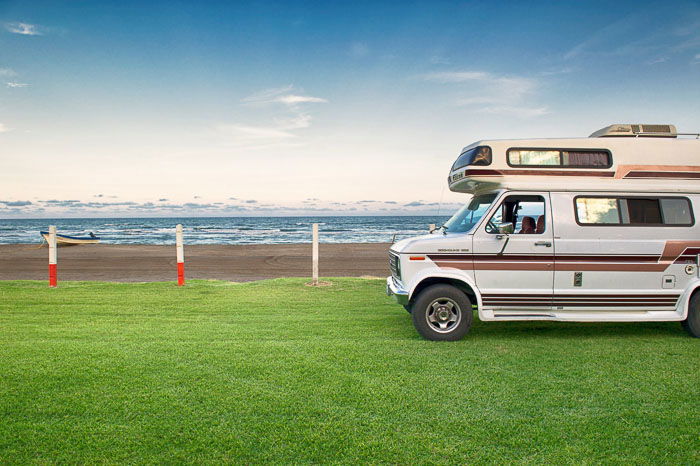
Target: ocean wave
226,230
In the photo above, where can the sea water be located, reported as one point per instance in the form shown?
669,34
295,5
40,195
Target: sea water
224,230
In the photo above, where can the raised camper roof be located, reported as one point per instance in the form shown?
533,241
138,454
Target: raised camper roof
622,157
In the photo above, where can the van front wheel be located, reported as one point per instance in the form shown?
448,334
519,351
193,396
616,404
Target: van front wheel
442,313
692,322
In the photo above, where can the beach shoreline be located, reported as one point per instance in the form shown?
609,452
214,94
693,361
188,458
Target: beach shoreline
151,263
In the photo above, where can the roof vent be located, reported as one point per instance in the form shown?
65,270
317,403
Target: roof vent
654,131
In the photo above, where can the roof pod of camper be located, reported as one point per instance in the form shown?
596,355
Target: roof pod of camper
631,158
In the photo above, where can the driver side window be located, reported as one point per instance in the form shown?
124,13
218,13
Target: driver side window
526,213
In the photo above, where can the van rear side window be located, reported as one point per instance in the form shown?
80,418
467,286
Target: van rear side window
634,211
570,158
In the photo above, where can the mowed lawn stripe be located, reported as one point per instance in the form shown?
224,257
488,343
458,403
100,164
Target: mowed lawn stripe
276,371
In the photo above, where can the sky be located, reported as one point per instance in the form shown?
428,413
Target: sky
220,108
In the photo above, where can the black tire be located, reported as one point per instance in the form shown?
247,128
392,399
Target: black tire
691,324
407,307
439,305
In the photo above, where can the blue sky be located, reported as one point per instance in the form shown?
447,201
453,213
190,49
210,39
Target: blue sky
286,108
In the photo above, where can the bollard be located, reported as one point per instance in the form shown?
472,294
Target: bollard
180,256
314,256
52,256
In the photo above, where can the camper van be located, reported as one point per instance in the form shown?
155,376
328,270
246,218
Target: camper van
596,229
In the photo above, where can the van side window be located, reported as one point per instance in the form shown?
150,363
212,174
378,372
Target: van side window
634,211
549,158
526,214
480,155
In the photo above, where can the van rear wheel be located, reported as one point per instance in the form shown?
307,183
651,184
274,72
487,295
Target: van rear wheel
442,313
691,324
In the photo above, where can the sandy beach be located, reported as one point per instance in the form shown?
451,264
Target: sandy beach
146,263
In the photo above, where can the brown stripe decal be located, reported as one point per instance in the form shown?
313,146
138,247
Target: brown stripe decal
677,175
623,171
545,172
576,295
665,171
514,300
555,304
678,252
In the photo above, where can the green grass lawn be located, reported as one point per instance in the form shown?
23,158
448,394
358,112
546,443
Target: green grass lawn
275,371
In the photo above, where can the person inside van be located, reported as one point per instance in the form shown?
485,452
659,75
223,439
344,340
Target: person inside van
528,226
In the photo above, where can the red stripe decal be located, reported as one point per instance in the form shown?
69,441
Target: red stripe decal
180,273
53,275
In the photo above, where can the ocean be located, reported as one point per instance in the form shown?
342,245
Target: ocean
224,230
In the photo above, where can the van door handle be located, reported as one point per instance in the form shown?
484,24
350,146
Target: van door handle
544,243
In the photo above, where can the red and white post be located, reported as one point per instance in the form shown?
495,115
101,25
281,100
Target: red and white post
180,256
314,256
52,257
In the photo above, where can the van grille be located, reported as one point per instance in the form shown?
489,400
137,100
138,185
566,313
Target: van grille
395,266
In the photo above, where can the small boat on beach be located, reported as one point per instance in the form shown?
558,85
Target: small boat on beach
66,240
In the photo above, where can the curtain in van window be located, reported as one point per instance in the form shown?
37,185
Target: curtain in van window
585,159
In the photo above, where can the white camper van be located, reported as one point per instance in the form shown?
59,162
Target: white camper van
597,229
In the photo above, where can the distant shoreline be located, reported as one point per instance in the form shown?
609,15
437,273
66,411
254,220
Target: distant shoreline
147,263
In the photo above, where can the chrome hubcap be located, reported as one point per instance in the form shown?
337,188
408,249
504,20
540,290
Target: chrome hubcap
443,315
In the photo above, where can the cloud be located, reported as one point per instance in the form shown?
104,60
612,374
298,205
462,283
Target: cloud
456,76
696,59
3,128
60,202
624,37
251,201
520,112
16,203
492,94
267,95
283,126
421,204
655,61
286,95
14,84
622,27
99,195
25,29
293,99
195,205
390,202
500,88
556,71
7,72
163,200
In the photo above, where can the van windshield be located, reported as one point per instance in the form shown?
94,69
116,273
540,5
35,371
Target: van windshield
468,216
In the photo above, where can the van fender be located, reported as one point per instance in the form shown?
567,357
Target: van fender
684,302
454,274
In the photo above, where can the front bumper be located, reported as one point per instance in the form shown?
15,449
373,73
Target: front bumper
392,289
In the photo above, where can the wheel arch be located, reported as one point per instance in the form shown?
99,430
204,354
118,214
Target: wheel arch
459,283
693,290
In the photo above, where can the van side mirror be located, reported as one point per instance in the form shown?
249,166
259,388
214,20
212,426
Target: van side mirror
506,228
